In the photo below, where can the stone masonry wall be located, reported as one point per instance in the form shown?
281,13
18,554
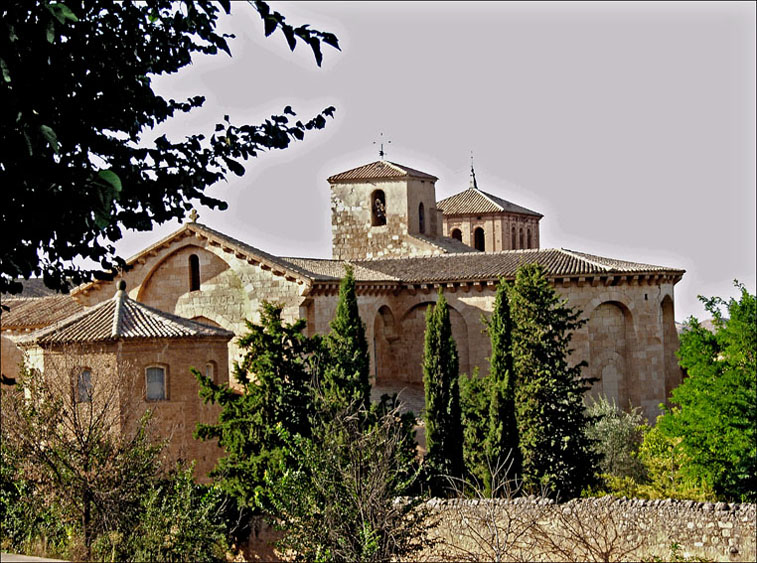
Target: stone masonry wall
721,531
626,343
353,235
231,289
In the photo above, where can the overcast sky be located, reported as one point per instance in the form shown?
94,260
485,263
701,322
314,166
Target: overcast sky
631,127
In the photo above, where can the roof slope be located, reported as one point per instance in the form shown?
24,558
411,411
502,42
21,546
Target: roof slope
122,318
493,265
26,313
476,266
380,170
473,201
33,287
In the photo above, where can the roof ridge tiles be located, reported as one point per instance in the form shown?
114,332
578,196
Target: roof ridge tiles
573,254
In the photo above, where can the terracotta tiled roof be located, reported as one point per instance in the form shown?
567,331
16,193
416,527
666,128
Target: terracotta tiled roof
473,201
445,244
33,287
320,269
122,318
475,266
32,313
379,170
493,265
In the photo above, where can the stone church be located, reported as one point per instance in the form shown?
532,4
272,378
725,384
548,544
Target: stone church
404,246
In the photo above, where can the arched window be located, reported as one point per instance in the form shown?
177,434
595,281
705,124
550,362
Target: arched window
421,218
84,387
457,234
378,208
522,242
155,383
528,238
479,241
513,242
194,273
210,371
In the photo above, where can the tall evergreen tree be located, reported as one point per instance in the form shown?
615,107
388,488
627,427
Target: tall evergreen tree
346,376
444,432
276,374
556,453
502,436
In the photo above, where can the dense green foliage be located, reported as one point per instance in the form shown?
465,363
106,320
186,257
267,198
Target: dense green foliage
338,501
616,436
77,112
475,395
178,521
715,413
304,445
444,434
29,525
557,455
276,373
346,372
502,437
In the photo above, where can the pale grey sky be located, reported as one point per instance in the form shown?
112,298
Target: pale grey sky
630,126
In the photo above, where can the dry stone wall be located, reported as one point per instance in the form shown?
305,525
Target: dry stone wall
720,531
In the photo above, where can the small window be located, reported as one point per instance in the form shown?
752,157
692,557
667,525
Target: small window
156,383
194,273
528,237
522,242
457,234
513,242
210,371
84,387
378,208
421,219
479,239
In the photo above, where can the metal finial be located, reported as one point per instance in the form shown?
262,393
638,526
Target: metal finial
193,216
473,183
380,142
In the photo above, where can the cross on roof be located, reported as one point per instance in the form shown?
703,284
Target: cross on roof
193,216
473,183
380,142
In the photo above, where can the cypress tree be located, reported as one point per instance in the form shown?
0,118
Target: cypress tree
502,434
444,433
556,454
346,375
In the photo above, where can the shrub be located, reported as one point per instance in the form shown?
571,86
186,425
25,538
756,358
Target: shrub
616,436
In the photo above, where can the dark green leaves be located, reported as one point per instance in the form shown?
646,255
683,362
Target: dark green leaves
77,97
61,12
51,137
273,20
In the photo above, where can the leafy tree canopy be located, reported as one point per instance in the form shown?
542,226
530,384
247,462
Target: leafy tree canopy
76,104
716,405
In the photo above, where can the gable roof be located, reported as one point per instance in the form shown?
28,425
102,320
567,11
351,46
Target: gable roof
122,318
474,202
379,170
243,250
